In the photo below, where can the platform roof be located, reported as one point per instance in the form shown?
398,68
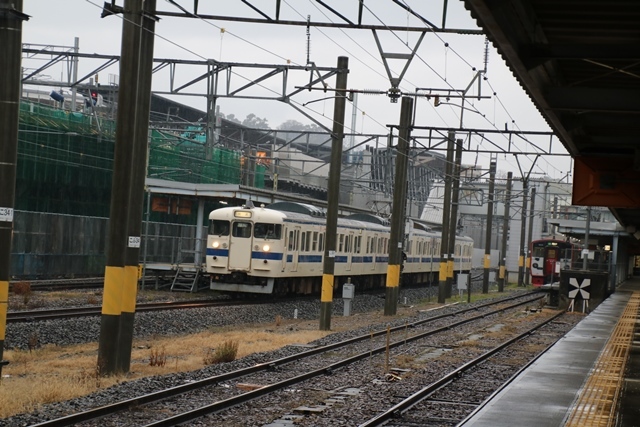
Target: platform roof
579,61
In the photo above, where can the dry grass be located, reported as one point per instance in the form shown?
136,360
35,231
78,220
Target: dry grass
224,352
51,373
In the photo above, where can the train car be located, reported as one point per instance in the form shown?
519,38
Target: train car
548,257
280,250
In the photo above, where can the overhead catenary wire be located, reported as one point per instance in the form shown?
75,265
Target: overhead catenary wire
313,111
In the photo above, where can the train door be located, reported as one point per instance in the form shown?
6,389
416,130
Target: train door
550,258
293,244
240,246
349,249
374,251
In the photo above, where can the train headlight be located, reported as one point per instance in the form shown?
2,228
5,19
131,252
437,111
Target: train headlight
215,244
266,248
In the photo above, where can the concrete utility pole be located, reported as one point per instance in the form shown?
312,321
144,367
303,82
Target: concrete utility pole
453,222
333,194
487,243
505,233
555,215
116,276
11,18
527,271
136,189
523,225
444,251
398,220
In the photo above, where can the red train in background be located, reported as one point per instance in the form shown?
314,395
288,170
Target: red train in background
548,257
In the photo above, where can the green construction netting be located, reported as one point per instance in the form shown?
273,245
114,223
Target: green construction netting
65,161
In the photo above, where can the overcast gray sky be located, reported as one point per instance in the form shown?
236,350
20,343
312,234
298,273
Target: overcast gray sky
435,66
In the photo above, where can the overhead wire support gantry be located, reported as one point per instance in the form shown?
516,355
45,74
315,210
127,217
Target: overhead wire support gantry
346,21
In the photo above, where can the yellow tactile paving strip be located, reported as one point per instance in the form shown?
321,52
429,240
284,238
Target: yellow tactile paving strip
597,400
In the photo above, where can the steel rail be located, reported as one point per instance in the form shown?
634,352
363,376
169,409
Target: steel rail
63,313
124,405
245,397
400,408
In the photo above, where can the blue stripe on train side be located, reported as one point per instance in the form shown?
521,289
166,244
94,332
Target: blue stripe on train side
217,252
276,256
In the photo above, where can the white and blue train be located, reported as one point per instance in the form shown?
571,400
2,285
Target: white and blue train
280,250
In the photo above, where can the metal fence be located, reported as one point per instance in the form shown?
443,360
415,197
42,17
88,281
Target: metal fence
49,245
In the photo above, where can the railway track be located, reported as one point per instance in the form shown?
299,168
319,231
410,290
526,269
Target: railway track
285,373
60,284
63,313
418,407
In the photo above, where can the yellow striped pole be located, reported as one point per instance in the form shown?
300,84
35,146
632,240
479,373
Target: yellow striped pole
333,195
446,212
4,305
489,227
136,187
11,18
109,348
505,233
398,221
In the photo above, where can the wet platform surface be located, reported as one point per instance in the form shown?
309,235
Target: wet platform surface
546,393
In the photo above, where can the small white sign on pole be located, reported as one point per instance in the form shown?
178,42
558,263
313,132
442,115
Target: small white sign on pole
6,214
134,241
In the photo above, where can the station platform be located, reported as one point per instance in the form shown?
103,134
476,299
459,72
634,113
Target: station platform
591,377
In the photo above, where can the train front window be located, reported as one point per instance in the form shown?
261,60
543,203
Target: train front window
538,251
263,230
242,229
219,227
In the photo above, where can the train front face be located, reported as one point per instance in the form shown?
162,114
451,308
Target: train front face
244,249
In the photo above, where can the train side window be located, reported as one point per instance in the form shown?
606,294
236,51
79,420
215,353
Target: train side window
340,242
267,231
219,227
358,244
291,240
303,241
307,247
314,245
321,242
242,230
347,243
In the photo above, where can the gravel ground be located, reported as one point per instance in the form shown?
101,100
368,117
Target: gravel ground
73,331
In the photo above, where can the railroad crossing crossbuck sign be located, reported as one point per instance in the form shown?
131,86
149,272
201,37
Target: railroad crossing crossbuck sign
579,289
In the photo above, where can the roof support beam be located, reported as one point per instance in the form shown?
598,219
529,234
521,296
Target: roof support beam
537,54
593,99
